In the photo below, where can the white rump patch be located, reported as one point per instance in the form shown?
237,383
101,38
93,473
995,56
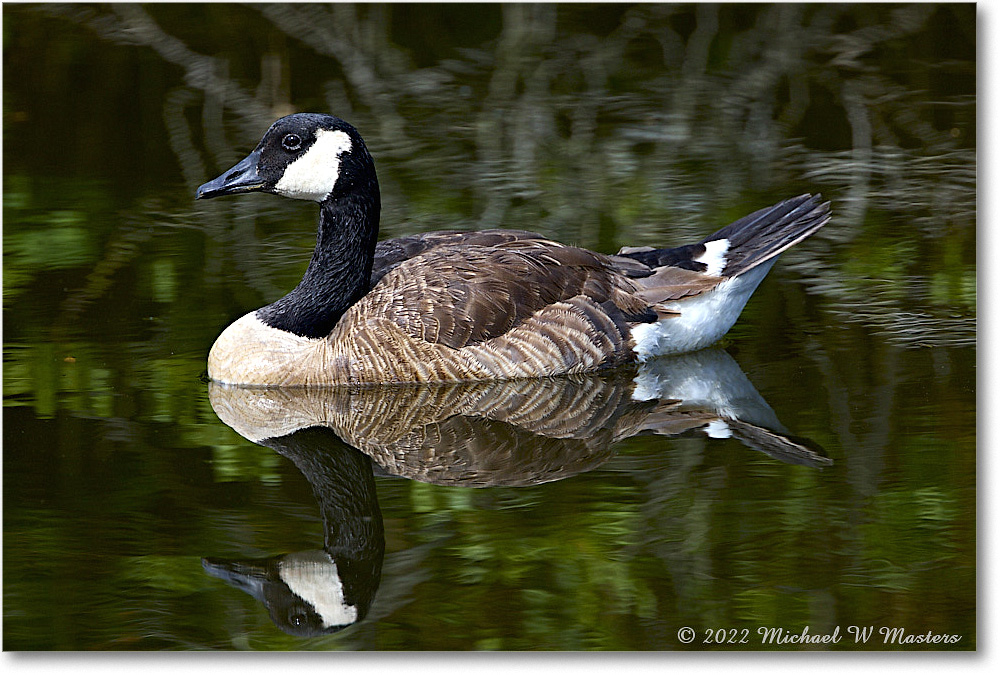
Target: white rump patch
703,318
718,429
313,175
714,256
312,575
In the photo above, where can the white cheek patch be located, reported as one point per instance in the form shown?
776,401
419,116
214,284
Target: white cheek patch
313,175
312,575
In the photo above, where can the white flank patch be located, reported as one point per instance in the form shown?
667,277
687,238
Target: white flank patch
714,256
704,318
313,175
312,575
718,429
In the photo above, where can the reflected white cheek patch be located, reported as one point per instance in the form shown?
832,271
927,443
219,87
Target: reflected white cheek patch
313,175
312,575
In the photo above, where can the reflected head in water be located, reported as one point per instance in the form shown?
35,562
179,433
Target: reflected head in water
311,593
303,592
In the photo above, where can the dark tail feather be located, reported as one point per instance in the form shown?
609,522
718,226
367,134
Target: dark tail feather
780,446
764,234
753,239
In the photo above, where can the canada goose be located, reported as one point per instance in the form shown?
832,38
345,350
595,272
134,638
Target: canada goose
495,304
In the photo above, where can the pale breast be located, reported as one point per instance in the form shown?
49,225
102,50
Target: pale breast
249,352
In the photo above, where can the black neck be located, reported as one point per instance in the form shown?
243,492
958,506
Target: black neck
340,270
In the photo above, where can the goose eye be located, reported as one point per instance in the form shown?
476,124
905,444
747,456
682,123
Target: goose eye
291,142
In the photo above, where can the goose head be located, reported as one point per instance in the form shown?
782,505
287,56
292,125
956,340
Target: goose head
307,156
323,159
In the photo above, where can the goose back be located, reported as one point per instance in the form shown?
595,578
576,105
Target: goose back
492,306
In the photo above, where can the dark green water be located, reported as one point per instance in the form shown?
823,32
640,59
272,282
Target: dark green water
468,522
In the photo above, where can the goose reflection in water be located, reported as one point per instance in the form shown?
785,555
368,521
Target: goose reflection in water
481,434
310,593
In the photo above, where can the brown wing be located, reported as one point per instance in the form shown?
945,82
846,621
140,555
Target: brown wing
668,284
390,253
461,294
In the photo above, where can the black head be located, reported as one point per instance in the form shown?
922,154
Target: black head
303,156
